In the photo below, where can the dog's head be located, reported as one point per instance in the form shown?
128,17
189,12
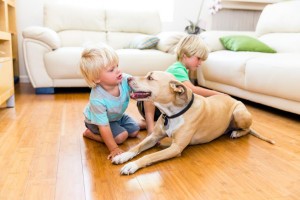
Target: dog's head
160,87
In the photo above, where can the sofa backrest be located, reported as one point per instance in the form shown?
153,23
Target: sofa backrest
61,17
78,25
282,17
279,26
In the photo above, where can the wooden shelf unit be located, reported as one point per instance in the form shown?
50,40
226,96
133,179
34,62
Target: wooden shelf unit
8,51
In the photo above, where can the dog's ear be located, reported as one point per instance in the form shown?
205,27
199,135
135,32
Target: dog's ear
179,89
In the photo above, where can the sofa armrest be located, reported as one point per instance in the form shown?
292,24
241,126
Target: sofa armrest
168,40
212,38
43,34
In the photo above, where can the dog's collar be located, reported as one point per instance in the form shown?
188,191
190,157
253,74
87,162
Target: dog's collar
166,117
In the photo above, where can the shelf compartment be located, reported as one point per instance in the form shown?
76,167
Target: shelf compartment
6,82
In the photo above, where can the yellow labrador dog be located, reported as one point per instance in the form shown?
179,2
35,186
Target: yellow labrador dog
187,118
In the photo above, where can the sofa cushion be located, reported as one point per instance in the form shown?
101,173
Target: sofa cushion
168,40
58,67
282,42
280,17
56,17
212,38
227,67
146,22
120,40
132,61
143,42
275,75
80,38
245,43
140,62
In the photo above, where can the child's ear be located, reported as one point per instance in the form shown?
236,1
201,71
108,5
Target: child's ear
97,81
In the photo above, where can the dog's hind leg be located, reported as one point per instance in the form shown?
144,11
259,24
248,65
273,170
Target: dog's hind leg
239,133
241,121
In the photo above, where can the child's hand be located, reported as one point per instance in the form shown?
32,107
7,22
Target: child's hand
114,152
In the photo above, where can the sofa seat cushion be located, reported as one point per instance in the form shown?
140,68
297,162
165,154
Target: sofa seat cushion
282,42
63,63
140,62
132,61
227,67
275,75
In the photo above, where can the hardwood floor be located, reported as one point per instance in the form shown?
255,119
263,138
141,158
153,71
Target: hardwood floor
44,156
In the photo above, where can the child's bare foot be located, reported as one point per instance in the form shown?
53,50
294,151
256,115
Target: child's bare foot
88,134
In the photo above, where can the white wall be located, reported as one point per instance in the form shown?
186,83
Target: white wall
30,13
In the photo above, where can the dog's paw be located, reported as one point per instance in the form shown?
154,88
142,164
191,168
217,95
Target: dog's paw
129,168
124,157
235,134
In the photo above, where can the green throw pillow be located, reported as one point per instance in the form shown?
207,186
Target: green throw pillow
245,43
144,42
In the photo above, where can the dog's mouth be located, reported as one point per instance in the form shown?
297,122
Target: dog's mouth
140,95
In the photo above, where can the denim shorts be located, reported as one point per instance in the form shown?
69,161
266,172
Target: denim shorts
126,123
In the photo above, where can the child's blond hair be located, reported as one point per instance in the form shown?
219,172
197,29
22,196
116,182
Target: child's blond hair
191,45
94,60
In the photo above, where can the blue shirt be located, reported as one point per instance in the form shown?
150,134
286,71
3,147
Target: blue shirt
104,107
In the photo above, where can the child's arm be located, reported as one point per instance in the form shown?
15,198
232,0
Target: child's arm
200,90
108,139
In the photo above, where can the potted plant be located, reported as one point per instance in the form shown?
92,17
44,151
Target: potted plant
193,27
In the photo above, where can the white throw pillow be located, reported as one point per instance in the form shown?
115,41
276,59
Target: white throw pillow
168,41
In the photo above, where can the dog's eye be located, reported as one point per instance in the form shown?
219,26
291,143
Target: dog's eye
150,78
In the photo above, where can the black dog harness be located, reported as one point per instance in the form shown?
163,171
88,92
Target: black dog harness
166,118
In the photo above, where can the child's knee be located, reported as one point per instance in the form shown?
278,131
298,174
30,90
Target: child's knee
134,134
121,137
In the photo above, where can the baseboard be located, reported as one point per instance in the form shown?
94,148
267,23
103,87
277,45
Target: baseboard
24,79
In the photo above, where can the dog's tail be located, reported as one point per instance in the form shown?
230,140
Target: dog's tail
254,133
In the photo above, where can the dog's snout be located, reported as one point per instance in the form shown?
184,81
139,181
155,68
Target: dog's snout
131,81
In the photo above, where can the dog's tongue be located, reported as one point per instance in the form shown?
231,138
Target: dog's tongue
139,95
132,95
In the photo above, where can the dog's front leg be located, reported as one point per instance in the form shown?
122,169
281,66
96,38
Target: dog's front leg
172,151
147,143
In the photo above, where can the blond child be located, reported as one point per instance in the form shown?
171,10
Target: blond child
105,119
190,51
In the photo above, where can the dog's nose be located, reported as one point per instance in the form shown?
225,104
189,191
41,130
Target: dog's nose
130,79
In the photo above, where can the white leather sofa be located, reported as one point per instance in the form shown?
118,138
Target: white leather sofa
272,79
52,52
